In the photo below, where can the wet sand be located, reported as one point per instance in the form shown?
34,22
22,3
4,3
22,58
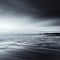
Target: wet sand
35,52
45,50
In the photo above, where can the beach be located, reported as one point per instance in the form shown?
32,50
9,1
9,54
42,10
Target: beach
29,47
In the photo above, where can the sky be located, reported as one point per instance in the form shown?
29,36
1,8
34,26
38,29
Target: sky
29,16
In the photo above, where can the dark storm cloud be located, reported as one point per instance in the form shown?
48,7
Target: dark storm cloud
49,7
44,9
56,23
18,6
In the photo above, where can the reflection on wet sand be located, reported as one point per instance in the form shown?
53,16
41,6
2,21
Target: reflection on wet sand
47,48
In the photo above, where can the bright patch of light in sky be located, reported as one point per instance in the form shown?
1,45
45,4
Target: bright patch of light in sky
24,24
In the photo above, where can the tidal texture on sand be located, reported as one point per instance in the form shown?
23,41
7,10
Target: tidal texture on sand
29,47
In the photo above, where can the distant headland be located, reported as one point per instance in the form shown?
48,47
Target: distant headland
50,34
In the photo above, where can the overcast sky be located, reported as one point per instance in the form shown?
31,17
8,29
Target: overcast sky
29,16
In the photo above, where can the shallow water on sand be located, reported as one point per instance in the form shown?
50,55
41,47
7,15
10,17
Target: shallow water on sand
29,47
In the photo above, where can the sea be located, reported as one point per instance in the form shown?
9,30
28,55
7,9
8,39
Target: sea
29,47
